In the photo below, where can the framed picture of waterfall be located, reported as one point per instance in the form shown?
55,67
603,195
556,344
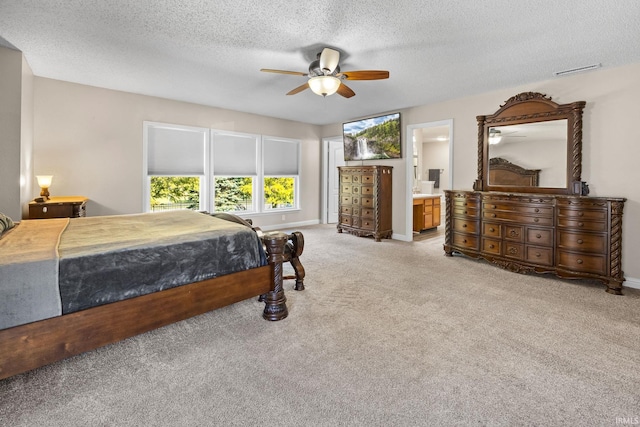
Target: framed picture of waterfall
373,138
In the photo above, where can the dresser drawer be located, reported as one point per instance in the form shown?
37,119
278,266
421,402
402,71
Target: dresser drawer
514,233
348,200
582,262
367,190
368,178
514,250
346,188
507,207
491,246
346,177
465,241
491,229
346,210
345,220
595,243
583,214
465,226
517,217
464,202
465,211
579,224
366,202
366,212
540,236
538,255
367,223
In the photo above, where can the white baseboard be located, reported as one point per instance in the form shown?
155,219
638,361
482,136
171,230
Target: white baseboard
290,226
631,282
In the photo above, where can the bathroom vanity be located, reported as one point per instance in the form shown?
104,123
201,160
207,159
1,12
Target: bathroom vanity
426,211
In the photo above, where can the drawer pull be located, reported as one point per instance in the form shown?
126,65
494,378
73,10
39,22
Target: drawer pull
580,241
465,212
45,209
464,240
491,246
581,224
538,236
538,254
536,210
536,219
493,215
579,261
513,233
580,213
492,229
464,225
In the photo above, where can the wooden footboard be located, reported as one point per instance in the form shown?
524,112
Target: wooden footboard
26,347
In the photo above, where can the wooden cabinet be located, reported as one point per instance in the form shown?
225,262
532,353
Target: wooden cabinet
365,201
426,212
571,236
59,207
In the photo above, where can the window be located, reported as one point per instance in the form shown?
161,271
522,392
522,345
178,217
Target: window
214,170
175,167
281,158
235,169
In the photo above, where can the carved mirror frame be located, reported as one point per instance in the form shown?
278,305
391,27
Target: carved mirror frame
532,107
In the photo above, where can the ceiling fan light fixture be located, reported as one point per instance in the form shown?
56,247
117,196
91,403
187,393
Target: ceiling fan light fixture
324,85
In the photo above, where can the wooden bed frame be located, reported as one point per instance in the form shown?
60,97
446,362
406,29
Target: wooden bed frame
30,346
503,172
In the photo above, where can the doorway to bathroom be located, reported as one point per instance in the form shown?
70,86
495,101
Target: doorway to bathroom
430,173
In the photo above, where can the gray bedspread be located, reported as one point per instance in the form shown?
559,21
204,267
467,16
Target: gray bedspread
111,258
56,266
29,272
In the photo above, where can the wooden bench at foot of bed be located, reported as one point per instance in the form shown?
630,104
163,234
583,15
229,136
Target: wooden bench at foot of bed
27,347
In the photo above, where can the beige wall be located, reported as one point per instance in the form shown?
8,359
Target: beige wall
10,124
611,142
90,140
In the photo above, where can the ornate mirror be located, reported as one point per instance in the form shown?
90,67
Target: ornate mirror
531,145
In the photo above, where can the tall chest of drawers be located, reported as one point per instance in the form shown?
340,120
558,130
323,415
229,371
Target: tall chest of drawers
365,201
571,236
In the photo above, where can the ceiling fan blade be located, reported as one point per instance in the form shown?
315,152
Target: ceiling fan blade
298,89
345,91
329,59
365,75
295,73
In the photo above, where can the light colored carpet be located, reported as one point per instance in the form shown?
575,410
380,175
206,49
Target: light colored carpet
386,334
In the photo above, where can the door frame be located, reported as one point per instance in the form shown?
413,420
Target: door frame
409,168
324,204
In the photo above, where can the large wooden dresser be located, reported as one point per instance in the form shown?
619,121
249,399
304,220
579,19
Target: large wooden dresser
365,201
571,236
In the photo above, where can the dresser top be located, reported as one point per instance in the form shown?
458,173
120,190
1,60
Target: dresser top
62,199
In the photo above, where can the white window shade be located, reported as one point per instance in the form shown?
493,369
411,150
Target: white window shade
280,156
176,151
235,154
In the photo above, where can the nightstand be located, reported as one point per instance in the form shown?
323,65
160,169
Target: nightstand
59,207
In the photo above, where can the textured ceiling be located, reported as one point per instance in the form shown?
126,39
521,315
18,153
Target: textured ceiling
210,52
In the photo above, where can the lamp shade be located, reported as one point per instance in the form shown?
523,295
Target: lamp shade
324,85
44,181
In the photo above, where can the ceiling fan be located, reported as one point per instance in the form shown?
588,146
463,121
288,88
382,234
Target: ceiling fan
325,77
496,135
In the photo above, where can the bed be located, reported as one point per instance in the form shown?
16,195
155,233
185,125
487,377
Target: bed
71,285
503,172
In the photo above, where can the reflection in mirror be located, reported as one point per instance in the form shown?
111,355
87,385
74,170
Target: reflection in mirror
532,146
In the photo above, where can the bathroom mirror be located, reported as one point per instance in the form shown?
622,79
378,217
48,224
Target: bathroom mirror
532,145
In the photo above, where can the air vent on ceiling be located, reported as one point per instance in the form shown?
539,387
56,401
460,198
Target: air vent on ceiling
576,70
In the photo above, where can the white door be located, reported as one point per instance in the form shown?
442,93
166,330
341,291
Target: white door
336,158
